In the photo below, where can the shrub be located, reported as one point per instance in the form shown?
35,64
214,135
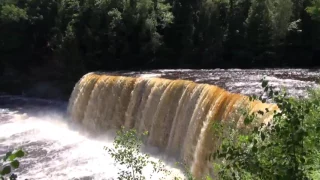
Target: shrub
126,151
284,148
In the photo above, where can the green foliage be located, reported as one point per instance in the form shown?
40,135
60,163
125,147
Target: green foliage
314,10
110,30
259,25
281,13
72,37
284,148
10,12
126,151
10,162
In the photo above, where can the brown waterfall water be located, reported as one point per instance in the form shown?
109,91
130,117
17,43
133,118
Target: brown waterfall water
178,114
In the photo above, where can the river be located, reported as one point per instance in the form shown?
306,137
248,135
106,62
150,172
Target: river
56,149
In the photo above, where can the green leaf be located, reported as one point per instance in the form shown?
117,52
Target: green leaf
263,136
264,83
15,164
12,157
19,153
254,149
248,120
234,175
6,170
261,112
8,154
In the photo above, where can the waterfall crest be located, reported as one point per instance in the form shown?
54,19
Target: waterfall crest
178,114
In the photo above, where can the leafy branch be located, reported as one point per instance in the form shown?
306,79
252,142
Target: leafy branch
10,162
126,151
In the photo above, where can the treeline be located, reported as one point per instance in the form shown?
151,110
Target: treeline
83,35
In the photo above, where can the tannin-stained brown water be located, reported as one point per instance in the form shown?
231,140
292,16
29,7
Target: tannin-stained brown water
101,102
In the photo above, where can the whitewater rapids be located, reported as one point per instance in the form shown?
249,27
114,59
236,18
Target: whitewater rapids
56,151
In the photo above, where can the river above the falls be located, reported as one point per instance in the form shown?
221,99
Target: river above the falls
295,81
57,150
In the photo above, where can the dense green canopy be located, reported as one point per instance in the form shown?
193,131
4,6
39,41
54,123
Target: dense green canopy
77,36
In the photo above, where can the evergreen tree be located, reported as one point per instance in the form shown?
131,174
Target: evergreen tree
259,29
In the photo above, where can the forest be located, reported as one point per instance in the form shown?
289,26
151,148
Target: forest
66,38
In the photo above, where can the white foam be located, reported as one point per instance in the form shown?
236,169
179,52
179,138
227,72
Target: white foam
150,75
57,152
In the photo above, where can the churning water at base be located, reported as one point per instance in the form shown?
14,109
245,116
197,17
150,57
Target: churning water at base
56,151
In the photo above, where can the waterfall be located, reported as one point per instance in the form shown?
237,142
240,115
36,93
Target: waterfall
178,114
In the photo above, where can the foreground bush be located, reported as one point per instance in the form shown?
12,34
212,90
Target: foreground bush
126,151
285,148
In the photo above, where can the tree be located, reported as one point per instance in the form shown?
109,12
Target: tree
314,10
281,13
123,33
259,29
